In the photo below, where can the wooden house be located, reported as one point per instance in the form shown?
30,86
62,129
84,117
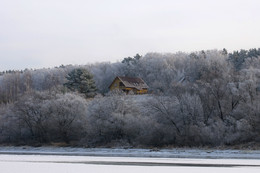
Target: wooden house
127,84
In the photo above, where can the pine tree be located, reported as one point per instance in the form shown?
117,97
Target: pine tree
224,51
81,80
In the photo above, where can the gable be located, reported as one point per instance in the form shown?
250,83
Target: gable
115,83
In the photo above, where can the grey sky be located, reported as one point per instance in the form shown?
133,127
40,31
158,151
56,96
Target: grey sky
48,33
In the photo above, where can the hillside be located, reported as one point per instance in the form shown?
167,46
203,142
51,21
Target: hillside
206,98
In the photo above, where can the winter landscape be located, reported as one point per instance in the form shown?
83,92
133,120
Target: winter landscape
129,86
52,159
208,98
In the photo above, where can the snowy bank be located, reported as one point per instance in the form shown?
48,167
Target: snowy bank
162,153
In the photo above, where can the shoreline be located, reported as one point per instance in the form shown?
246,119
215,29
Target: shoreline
120,152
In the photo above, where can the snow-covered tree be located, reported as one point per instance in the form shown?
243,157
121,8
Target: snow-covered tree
81,80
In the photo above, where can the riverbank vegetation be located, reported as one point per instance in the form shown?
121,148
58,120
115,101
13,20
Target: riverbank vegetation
206,98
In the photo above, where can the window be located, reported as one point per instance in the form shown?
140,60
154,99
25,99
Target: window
121,84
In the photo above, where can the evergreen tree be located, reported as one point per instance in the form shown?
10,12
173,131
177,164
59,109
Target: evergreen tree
81,80
224,51
132,61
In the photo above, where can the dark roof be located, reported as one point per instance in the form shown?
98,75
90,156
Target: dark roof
133,82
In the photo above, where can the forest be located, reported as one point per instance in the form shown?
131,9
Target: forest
205,98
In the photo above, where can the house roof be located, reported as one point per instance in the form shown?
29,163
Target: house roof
133,82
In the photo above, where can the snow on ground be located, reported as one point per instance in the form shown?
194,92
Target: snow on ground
79,164
81,168
162,153
99,160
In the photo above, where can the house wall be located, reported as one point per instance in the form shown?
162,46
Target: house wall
115,85
143,91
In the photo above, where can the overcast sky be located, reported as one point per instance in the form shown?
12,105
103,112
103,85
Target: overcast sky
48,33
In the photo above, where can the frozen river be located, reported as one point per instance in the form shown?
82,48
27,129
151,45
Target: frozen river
96,164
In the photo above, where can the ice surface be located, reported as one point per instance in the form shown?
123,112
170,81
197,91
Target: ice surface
78,160
82,164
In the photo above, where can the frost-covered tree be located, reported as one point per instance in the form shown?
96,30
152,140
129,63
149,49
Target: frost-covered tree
67,116
81,80
208,97
31,112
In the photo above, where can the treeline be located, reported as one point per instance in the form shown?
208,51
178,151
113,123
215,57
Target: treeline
200,98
